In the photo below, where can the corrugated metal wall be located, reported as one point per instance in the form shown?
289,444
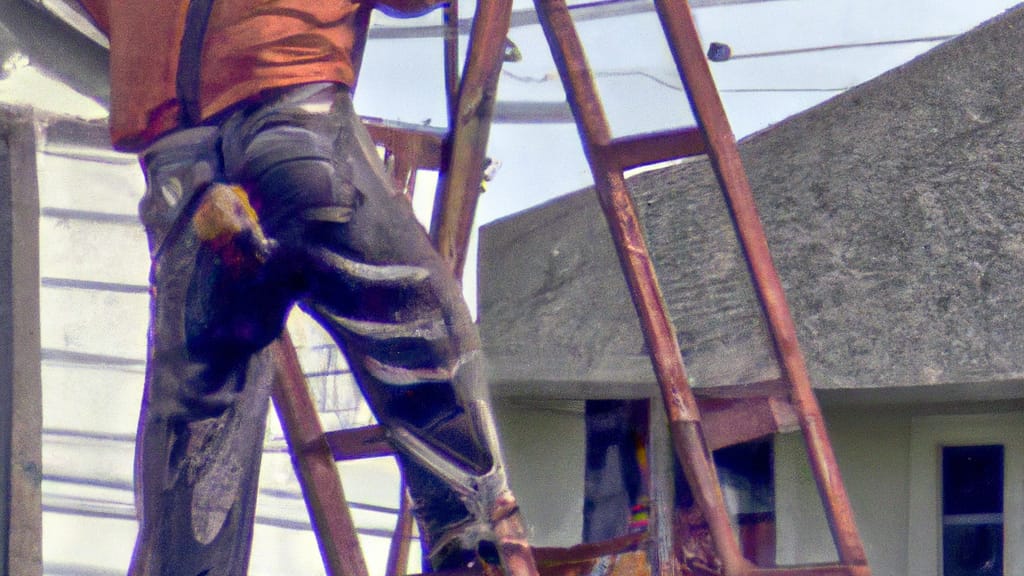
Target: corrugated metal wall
94,267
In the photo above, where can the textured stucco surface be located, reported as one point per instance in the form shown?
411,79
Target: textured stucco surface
895,215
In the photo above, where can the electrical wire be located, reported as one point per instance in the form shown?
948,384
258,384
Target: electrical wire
551,77
846,46
662,82
595,10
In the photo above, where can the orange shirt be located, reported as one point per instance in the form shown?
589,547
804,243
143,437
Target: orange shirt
250,46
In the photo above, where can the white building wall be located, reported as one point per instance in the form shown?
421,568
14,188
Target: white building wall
93,264
871,448
889,461
545,446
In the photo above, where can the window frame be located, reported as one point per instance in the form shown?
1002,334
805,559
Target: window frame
929,434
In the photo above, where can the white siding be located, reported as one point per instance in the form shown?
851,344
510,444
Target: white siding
93,264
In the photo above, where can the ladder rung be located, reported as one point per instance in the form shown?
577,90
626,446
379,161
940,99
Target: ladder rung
567,561
643,149
425,141
735,414
356,443
813,570
730,415
550,557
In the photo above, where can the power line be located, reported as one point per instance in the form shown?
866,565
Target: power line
779,90
597,10
766,54
849,45
524,112
558,112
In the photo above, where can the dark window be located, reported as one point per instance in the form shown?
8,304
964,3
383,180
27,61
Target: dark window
972,510
616,499
746,472
617,486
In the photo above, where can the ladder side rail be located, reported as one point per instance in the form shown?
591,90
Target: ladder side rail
315,466
460,180
659,333
398,553
680,29
451,57
459,187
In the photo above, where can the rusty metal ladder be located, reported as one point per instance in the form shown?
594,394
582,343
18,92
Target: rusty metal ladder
698,425
692,441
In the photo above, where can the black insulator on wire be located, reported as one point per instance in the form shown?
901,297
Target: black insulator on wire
719,52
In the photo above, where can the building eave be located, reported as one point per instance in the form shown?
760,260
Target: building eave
47,35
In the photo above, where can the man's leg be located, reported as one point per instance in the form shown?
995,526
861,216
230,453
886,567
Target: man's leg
364,267
204,408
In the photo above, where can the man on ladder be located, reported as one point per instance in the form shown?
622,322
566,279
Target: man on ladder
256,93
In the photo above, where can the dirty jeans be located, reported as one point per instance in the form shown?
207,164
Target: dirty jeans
346,247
